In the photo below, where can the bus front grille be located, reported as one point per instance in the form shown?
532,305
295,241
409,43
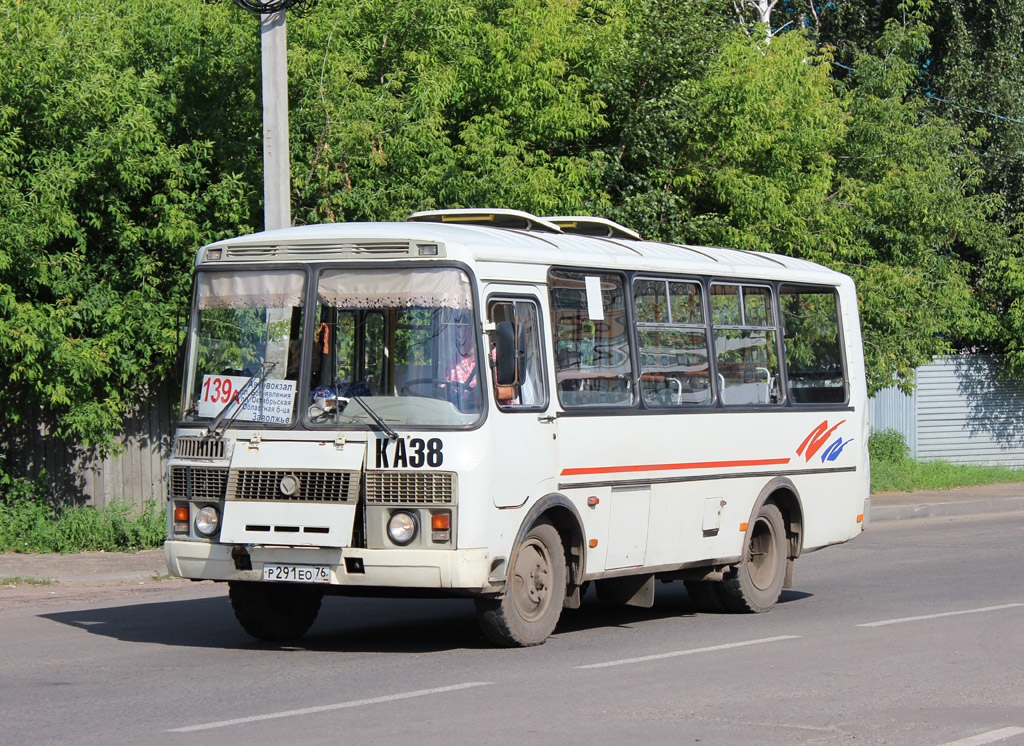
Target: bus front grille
410,488
202,483
299,486
200,448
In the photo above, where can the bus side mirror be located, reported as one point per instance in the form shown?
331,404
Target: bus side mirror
505,357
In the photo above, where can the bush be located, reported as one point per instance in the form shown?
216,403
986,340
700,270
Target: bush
28,524
888,446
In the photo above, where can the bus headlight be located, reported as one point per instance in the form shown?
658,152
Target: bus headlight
207,521
402,528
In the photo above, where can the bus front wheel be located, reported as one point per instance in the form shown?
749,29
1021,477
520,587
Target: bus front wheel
756,583
274,612
527,612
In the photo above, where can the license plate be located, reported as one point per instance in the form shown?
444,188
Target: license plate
297,573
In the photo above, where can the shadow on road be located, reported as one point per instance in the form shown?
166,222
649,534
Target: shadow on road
354,625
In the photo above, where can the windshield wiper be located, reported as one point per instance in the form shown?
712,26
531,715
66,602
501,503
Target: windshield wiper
258,378
377,419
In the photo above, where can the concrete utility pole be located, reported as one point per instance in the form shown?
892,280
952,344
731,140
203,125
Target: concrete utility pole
277,206
277,203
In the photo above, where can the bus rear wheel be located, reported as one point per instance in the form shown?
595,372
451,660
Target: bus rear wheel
527,612
756,583
274,613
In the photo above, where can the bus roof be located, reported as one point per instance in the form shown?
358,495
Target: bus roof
487,243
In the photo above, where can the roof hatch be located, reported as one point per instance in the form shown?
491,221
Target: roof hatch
590,226
495,218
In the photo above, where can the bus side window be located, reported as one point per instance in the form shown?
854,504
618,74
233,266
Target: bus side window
812,345
529,390
746,352
674,368
593,367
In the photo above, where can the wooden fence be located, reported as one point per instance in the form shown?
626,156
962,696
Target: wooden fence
135,473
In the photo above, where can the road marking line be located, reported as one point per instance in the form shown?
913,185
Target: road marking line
991,737
693,651
328,708
939,616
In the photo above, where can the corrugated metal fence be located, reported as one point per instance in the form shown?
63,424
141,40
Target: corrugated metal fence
960,412
80,476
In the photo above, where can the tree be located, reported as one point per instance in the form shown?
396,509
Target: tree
763,148
109,180
405,106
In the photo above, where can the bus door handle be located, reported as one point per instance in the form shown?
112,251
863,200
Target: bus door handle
546,418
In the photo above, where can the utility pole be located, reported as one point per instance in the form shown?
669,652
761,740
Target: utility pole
277,203
277,206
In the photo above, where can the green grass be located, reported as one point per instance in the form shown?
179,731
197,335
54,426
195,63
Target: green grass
19,580
892,470
28,523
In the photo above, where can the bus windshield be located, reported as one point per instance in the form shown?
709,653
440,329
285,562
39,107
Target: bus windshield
394,344
248,330
400,343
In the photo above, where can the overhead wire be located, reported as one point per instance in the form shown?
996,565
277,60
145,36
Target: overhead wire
933,97
298,7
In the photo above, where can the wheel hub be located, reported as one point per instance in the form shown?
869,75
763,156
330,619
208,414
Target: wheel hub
531,587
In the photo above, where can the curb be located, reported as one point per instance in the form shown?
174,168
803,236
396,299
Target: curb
111,578
908,511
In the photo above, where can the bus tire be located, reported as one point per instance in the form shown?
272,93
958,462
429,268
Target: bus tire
755,584
274,613
527,612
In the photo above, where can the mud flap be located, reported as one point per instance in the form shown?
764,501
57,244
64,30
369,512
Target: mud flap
634,590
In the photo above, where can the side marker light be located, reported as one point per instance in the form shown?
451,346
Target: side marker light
743,528
593,543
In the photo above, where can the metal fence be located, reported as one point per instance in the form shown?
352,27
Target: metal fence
961,411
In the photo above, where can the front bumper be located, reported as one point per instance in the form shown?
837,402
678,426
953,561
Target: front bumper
456,569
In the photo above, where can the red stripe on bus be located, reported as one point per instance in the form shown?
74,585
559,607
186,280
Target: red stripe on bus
670,467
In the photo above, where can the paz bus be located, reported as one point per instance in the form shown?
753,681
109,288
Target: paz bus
489,404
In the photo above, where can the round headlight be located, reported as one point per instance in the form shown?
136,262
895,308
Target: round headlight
402,528
207,521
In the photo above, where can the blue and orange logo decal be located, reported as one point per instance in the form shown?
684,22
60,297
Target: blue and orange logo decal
817,438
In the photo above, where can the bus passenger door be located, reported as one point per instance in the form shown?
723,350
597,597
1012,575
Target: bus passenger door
523,428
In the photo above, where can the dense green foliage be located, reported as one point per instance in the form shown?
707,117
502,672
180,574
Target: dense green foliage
862,135
29,523
110,176
892,469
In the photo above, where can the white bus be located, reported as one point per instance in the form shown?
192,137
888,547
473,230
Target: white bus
485,403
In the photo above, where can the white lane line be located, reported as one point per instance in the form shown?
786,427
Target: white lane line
991,737
939,616
328,708
692,651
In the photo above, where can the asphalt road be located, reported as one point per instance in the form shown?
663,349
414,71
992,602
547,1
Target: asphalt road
911,634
